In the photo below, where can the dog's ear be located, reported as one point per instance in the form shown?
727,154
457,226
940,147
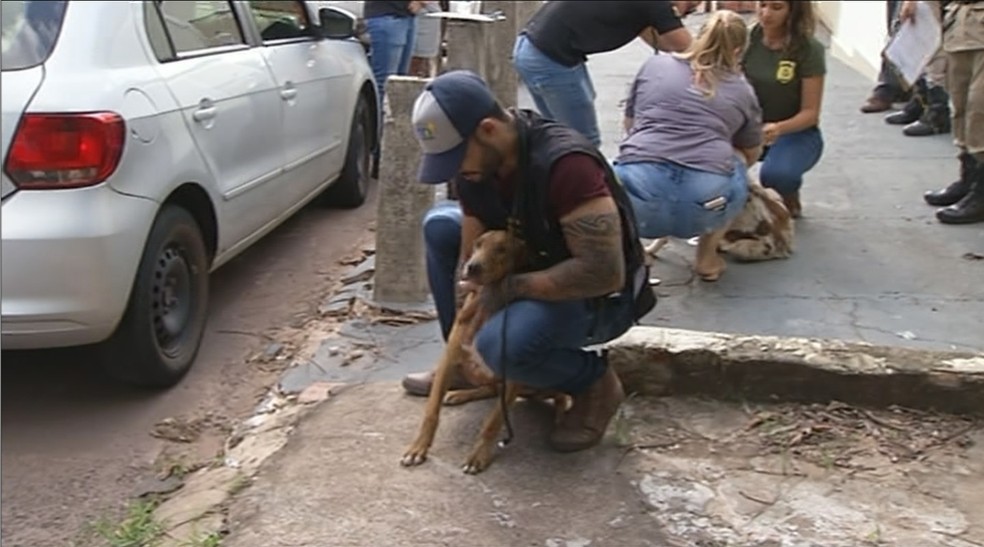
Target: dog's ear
519,251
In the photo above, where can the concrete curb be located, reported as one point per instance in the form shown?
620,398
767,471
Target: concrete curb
659,361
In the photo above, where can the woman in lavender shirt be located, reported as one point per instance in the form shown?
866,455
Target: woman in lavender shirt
694,124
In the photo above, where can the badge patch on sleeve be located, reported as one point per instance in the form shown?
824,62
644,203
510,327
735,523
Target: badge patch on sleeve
786,72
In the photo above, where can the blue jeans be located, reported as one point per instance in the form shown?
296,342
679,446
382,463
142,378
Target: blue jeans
392,40
789,158
561,93
673,200
543,340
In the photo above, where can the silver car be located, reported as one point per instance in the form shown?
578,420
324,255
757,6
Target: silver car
147,143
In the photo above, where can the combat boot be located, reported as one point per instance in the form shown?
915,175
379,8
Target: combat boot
912,111
935,119
970,209
957,189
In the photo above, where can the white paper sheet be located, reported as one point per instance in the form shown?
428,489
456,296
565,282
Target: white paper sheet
915,43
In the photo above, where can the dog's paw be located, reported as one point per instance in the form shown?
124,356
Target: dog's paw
480,459
414,456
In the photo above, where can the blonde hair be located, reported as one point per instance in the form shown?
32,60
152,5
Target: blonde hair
717,50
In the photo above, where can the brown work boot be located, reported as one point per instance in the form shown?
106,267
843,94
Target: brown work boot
876,104
419,383
584,425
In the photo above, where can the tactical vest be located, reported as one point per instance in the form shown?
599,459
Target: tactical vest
541,143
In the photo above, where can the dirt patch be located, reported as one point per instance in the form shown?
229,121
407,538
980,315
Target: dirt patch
839,434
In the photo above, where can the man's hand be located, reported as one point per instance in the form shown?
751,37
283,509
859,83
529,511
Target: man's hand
496,296
908,11
462,288
493,297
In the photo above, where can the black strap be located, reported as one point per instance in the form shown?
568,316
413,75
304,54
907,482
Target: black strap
522,182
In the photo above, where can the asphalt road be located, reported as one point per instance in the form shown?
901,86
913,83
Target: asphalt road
75,448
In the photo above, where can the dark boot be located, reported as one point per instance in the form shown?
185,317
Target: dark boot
957,189
912,110
936,119
934,122
584,425
970,209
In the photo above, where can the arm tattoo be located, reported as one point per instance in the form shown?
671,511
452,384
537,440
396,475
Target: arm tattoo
597,266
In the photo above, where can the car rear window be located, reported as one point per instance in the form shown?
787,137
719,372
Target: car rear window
30,29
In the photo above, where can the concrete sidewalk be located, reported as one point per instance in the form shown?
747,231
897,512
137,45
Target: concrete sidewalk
871,265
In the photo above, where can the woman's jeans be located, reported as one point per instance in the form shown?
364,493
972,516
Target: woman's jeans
543,340
789,158
392,41
561,93
670,199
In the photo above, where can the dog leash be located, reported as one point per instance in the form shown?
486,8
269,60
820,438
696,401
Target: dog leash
503,403
514,230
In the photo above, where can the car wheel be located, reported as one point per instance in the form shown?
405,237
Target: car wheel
161,330
352,186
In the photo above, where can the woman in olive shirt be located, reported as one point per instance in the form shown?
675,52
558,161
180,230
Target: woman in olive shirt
786,66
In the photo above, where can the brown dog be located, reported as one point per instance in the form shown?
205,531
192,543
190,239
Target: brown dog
763,230
495,255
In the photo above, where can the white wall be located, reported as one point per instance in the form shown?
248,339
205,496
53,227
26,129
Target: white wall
858,32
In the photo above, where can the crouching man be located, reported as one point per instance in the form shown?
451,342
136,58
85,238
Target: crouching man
554,189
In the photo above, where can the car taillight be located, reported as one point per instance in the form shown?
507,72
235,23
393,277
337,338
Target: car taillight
65,150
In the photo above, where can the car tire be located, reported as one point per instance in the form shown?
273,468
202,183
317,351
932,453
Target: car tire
352,186
158,337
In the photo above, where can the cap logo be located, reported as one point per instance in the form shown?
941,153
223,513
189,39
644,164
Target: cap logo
425,131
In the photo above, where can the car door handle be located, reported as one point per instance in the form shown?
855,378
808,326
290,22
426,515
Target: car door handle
288,93
203,114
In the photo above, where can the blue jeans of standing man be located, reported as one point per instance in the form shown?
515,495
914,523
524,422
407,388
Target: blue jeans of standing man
670,199
391,39
561,93
789,158
543,340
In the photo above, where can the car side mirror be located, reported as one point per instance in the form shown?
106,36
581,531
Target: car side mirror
336,24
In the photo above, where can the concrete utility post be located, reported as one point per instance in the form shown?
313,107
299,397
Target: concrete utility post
400,272
501,75
468,45
485,44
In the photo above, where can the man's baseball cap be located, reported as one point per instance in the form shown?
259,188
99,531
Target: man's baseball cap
445,115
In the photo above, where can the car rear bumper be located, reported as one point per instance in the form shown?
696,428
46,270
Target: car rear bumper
68,259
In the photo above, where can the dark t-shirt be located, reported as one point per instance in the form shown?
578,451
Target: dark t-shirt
575,179
777,76
569,30
380,8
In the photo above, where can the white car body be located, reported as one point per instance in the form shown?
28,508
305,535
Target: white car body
241,135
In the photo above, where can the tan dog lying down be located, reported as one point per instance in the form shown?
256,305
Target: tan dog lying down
495,255
763,230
